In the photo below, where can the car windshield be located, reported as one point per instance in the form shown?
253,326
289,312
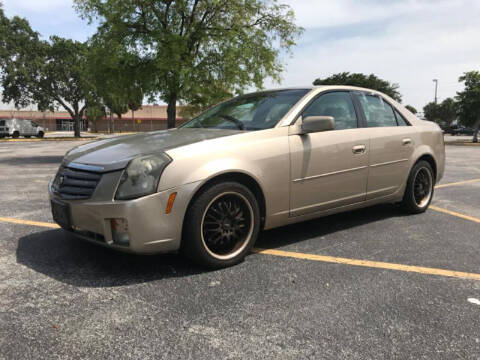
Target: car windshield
249,112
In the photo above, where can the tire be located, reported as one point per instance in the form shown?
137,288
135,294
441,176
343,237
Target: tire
40,135
15,135
419,189
221,225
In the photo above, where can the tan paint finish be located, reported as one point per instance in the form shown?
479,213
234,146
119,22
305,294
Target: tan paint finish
301,176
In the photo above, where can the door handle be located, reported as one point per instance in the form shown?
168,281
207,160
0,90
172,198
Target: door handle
407,141
359,149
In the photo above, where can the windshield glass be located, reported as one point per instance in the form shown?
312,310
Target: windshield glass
249,112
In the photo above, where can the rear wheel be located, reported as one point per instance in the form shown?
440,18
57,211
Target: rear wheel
221,225
419,190
15,135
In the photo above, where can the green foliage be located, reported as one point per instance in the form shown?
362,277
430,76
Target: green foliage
411,109
197,51
431,111
443,114
361,80
94,113
116,75
46,73
469,101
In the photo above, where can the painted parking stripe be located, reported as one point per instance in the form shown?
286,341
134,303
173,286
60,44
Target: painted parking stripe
368,264
453,213
28,222
314,257
457,183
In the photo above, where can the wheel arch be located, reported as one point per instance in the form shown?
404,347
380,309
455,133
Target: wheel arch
431,160
236,176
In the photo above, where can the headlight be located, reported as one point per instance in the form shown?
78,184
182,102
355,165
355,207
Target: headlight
141,176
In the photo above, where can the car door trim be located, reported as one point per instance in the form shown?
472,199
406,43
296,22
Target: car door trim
388,162
329,174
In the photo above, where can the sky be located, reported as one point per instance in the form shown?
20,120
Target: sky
409,42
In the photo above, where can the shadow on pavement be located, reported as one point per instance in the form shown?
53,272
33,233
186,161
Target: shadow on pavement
32,160
317,228
60,255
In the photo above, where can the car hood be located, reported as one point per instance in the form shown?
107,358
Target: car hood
115,153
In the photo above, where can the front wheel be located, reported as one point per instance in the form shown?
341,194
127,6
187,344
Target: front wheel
15,135
419,190
40,135
221,225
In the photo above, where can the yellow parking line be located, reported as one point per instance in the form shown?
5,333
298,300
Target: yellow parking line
328,259
453,213
369,264
28,222
457,183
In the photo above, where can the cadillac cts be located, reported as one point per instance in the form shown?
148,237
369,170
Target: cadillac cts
254,162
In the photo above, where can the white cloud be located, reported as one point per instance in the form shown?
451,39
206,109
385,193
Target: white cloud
408,42
37,6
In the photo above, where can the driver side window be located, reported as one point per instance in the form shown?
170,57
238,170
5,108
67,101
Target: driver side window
337,104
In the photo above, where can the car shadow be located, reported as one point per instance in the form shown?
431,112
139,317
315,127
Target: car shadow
60,255
32,160
317,228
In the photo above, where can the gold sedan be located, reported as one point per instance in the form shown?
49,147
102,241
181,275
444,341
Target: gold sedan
254,162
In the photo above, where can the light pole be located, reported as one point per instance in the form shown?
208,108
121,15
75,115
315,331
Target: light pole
436,88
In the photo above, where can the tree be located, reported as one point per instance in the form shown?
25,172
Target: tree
47,73
411,109
469,101
117,76
443,114
448,111
196,48
367,81
94,113
431,112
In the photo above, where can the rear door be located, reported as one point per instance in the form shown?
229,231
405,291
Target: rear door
391,145
329,169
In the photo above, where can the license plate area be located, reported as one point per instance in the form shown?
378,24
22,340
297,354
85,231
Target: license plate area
61,214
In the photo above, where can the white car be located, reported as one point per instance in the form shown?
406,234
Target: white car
20,127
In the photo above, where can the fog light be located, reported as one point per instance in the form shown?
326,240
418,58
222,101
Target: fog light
120,231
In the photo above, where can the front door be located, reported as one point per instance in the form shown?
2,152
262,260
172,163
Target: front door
329,169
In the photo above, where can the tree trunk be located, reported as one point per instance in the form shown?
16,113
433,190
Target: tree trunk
476,127
172,111
76,125
112,129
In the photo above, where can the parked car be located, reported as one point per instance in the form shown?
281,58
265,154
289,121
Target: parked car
20,127
462,130
255,162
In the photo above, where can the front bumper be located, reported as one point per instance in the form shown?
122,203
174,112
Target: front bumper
150,229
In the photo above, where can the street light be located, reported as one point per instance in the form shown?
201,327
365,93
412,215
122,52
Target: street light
436,88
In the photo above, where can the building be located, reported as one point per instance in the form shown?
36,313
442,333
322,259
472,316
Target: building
148,118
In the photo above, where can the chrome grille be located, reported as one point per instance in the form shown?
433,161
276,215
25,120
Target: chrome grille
75,184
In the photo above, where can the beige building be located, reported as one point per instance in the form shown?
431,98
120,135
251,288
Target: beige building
148,118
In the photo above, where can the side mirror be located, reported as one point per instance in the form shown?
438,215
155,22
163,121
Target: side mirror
313,124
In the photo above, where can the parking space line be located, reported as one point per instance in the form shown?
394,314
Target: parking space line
323,258
457,183
369,264
453,213
28,222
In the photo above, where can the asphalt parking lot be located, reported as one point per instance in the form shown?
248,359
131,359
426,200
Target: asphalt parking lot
373,283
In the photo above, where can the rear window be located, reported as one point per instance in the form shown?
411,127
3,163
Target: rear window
2,122
377,112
